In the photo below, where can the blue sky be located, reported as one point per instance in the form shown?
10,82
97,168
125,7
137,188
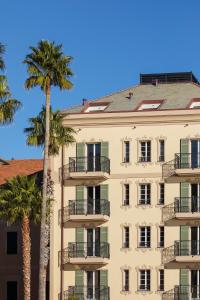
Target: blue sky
111,41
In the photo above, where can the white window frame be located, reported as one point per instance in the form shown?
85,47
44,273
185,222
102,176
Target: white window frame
126,194
145,151
126,280
161,193
145,194
161,286
145,280
126,152
161,237
144,237
126,237
161,157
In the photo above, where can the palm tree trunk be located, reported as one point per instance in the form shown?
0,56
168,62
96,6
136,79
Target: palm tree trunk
44,226
26,257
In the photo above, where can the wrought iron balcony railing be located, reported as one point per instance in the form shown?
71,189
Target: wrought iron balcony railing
85,250
185,292
86,207
181,161
87,293
181,205
88,164
181,248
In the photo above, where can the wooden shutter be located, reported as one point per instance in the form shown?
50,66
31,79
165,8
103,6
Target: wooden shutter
104,149
79,283
184,237
184,283
80,157
104,246
80,200
80,242
105,205
184,150
184,194
104,285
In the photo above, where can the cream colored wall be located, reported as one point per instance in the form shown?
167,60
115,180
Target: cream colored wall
134,216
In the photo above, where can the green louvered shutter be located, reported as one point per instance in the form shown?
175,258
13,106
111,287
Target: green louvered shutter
80,157
79,284
104,292
184,197
80,200
104,157
184,282
184,237
80,242
184,149
105,205
104,246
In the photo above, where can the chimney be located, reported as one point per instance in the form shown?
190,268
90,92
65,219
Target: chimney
130,95
84,101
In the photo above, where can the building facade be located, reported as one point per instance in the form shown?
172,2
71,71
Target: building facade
126,215
11,280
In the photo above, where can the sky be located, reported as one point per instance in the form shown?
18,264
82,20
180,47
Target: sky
111,42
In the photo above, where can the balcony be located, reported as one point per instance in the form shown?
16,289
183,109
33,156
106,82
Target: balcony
184,167
184,210
87,292
85,255
84,212
83,170
183,254
182,292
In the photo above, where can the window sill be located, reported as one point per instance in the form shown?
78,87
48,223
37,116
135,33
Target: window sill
125,206
124,163
125,292
143,206
144,292
123,249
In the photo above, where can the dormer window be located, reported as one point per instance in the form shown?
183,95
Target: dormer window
150,105
195,103
95,107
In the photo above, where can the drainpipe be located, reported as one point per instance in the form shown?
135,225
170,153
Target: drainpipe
62,222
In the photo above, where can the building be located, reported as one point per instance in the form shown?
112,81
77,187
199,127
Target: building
11,281
126,216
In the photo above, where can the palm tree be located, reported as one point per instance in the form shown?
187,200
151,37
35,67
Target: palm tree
47,66
8,105
59,135
2,51
20,201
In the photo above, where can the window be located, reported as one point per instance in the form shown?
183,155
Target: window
126,152
161,241
145,237
145,151
95,108
126,237
195,103
161,200
145,280
125,281
145,193
126,194
149,105
161,280
11,243
161,150
11,290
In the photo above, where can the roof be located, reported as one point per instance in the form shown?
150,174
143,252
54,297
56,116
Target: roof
174,95
23,167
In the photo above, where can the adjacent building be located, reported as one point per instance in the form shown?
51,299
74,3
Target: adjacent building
11,280
126,215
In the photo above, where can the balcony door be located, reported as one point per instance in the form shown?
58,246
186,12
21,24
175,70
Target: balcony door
93,200
93,285
195,154
195,196
195,284
195,240
93,241
93,157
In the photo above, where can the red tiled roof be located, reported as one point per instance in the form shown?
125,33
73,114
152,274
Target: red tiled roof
19,167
